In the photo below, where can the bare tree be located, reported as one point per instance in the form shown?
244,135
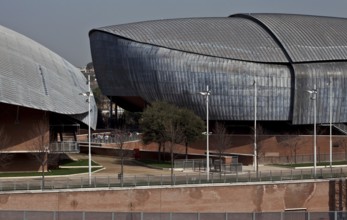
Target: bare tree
293,143
259,150
222,141
40,147
175,135
343,143
121,137
5,158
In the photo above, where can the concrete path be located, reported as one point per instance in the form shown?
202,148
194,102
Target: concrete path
112,166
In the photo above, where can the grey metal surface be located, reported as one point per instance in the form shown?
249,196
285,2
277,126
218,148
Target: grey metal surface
170,60
154,73
236,38
243,36
308,38
33,76
311,75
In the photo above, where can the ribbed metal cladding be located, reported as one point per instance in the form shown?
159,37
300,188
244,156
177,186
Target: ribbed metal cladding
126,68
33,76
172,60
236,38
317,75
308,38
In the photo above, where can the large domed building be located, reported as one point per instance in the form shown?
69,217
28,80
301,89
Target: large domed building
39,99
276,57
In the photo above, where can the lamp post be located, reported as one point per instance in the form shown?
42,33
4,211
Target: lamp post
314,98
330,120
255,129
89,94
207,93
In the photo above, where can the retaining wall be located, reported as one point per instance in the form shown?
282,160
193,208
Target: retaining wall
310,195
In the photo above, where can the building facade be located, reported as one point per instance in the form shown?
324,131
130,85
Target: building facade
39,95
173,60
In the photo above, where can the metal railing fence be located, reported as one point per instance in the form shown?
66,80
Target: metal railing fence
55,183
113,138
200,165
55,215
64,146
301,158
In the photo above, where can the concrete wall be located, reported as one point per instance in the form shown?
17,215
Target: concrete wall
314,196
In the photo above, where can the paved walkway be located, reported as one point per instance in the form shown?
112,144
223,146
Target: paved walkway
112,165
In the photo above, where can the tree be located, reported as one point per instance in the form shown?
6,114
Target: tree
259,152
152,126
293,143
5,158
174,133
41,146
121,136
192,127
164,123
222,141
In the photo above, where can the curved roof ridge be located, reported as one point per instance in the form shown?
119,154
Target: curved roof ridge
307,38
265,27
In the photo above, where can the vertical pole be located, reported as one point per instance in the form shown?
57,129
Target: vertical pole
207,93
331,119
89,148
207,140
255,128
110,114
315,131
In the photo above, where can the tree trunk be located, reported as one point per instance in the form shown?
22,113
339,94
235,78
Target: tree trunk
220,165
121,166
172,162
43,164
186,151
159,151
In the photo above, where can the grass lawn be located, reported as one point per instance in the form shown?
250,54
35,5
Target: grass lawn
58,171
77,163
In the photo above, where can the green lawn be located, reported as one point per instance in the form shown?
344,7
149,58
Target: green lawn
77,163
58,171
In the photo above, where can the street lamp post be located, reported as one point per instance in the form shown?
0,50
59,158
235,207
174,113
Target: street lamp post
89,94
314,98
207,93
330,121
255,129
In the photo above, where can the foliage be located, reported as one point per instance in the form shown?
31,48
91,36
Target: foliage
131,120
165,123
192,127
162,120
89,66
151,122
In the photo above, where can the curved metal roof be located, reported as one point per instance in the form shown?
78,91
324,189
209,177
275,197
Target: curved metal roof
270,38
307,38
236,38
35,77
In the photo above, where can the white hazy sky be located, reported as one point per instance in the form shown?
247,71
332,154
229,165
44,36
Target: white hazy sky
63,25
